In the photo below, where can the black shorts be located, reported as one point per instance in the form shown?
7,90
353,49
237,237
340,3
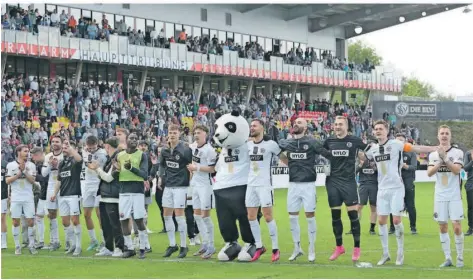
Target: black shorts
368,192
338,195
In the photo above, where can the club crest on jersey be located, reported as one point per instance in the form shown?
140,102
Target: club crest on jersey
237,152
200,154
177,157
389,149
305,147
263,150
349,144
405,158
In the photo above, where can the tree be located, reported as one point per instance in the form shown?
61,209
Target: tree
416,88
358,51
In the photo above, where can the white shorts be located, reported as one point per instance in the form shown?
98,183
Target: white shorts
90,199
26,208
448,210
41,208
49,204
202,197
301,194
4,205
259,196
69,205
131,203
175,198
390,201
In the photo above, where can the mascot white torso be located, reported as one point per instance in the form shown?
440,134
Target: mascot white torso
233,166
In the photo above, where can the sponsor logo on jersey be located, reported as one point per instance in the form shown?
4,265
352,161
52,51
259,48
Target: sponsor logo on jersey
298,155
195,159
256,157
65,174
172,164
368,171
231,159
340,153
382,158
444,169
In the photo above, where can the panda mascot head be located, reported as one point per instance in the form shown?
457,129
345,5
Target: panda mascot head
231,130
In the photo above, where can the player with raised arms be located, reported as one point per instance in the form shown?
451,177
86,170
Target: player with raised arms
387,154
446,163
341,183
301,152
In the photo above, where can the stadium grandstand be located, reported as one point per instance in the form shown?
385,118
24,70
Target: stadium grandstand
85,69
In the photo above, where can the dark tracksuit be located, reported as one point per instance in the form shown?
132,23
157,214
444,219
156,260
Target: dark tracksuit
408,177
469,187
109,213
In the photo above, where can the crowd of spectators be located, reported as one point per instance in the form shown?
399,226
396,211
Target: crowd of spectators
31,107
29,20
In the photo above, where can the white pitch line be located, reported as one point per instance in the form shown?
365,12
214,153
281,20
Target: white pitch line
213,261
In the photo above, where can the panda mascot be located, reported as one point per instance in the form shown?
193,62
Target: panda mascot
232,169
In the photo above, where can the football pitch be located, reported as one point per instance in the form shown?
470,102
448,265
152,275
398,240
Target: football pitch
423,252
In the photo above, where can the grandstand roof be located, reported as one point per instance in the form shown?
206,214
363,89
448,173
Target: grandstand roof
371,17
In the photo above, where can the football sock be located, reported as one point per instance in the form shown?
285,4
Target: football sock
170,229
273,233
256,230
182,228
295,229
209,225
337,226
383,235
459,243
399,231
445,242
355,227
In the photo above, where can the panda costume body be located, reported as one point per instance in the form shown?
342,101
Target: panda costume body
232,169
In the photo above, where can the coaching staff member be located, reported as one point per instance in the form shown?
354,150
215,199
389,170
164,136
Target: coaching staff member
469,190
109,195
408,173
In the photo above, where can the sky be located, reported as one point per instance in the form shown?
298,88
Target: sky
436,49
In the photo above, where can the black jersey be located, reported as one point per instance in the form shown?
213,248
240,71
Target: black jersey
4,182
43,181
301,154
368,174
343,153
174,164
69,176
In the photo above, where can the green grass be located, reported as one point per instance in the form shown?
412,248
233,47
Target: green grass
423,253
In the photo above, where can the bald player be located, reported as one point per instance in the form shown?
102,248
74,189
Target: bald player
301,152
341,183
